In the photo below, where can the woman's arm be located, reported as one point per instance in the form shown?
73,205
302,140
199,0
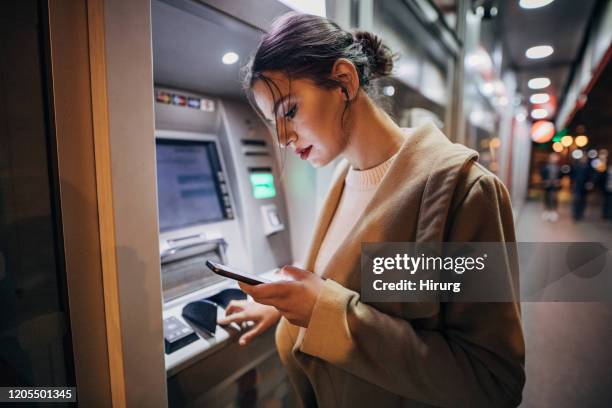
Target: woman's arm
476,360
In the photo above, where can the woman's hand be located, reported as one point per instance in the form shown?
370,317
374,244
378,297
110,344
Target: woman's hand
293,298
243,310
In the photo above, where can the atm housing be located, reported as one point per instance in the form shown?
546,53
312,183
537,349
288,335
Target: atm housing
219,198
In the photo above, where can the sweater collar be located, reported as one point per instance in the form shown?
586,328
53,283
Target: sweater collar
369,178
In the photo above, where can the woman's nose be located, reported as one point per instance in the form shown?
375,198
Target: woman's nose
287,136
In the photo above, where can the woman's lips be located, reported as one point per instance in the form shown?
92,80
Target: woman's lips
304,152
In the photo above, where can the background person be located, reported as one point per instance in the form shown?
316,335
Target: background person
581,175
551,183
607,193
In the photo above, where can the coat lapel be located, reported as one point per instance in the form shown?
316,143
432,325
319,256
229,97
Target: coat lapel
400,188
325,216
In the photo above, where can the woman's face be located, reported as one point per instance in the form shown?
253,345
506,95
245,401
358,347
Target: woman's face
312,116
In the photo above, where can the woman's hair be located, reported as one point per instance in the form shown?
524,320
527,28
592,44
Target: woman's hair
305,46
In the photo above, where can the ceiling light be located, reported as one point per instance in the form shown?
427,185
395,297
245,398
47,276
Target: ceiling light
531,4
389,90
539,98
539,113
230,58
539,51
538,83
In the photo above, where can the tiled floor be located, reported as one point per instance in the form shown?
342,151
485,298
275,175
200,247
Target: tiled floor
568,345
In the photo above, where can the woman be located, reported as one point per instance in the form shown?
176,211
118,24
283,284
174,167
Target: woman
309,79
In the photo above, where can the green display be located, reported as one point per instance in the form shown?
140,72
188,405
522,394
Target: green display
263,185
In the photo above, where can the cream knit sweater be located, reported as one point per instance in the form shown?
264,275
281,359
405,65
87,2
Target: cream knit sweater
359,188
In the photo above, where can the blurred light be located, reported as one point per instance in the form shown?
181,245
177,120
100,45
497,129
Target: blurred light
538,83
502,101
480,11
603,153
389,90
307,6
592,154
539,51
477,117
495,143
567,140
499,87
493,11
557,147
595,163
539,113
531,4
488,88
565,169
230,58
521,117
430,12
542,131
539,98
576,154
581,141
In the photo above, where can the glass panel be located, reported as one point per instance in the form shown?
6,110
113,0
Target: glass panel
35,341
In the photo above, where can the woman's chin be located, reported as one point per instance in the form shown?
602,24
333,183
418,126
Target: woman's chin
316,162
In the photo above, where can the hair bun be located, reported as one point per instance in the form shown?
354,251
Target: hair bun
379,55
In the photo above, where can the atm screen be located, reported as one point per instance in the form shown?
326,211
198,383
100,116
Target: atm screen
262,183
188,184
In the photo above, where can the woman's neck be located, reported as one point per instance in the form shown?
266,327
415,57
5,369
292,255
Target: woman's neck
373,137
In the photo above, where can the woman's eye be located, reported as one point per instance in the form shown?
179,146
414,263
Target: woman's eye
291,113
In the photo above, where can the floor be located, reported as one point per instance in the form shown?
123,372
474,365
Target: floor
568,345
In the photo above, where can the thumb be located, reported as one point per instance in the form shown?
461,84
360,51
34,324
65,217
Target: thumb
293,272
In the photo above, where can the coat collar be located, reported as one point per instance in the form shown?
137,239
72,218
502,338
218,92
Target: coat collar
411,173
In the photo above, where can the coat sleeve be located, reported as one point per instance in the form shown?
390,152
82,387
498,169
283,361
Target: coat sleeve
476,358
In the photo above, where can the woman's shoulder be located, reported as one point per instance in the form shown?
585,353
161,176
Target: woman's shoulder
480,183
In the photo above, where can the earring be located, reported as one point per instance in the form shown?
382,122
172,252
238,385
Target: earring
346,94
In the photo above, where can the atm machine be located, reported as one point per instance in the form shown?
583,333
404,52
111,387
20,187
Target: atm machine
219,198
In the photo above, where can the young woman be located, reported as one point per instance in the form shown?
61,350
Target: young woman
310,80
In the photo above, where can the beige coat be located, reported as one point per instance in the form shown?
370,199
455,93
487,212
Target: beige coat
355,354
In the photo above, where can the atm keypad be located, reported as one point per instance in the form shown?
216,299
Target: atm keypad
177,334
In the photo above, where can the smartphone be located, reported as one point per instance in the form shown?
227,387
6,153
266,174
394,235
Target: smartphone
232,273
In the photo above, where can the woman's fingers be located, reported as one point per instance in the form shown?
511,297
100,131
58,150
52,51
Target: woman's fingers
235,306
270,291
237,317
251,334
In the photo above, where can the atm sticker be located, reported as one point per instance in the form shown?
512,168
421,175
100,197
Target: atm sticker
162,97
207,105
179,100
193,103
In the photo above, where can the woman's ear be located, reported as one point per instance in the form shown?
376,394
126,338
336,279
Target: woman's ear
345,72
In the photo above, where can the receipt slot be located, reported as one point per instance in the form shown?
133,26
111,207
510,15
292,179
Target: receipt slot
271,220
